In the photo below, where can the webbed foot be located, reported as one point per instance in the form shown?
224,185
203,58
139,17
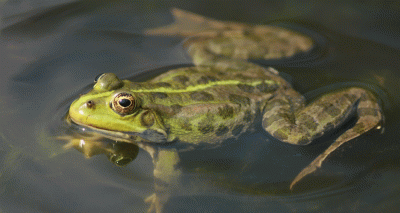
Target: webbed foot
156,203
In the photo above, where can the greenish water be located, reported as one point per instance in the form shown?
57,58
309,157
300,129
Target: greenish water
51,52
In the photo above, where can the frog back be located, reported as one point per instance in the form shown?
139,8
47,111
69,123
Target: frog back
196,104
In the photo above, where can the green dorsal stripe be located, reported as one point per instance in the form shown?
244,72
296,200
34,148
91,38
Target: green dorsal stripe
187,89
203,86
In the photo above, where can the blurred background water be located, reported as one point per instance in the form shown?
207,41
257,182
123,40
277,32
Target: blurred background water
52,50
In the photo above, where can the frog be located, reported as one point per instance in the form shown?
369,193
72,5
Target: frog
221,97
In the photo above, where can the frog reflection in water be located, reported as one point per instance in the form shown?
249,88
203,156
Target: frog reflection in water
221,97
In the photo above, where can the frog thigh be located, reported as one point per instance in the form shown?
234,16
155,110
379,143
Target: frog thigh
304,124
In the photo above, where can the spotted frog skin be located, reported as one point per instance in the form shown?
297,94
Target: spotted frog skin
221,97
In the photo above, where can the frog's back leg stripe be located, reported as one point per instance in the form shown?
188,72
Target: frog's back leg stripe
304,124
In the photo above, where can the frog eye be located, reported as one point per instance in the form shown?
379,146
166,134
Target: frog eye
107,81
98,77
123,103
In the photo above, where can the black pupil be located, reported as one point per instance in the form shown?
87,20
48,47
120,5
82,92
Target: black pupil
124,102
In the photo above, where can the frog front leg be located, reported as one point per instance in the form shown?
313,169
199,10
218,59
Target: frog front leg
166,175
299,125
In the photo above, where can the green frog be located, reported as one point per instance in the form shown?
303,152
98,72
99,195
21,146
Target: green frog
221,97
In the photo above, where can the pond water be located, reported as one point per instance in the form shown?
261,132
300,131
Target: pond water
51,52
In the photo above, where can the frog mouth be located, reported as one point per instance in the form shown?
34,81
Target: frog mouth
113,135
149,136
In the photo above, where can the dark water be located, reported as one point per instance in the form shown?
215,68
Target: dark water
51,52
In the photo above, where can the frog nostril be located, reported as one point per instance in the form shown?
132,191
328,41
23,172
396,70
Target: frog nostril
90,104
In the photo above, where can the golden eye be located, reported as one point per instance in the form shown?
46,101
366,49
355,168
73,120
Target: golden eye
123,103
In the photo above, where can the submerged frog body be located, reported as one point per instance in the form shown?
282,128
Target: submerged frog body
221,97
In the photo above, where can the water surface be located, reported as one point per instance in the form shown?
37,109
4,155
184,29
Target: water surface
51,52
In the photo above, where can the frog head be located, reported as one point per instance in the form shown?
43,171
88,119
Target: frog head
116,112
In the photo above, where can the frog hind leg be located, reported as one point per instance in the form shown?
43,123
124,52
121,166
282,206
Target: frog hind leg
304,124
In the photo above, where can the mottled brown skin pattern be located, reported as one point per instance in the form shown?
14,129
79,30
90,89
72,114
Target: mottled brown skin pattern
225,111
219,112
285,116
